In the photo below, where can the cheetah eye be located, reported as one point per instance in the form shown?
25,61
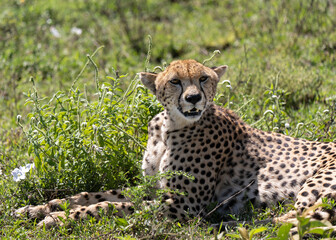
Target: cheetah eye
175,81
203,79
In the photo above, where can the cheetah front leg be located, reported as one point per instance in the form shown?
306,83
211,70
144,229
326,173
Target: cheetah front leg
315,211
123,207
319,186
80,212
309,201
80,205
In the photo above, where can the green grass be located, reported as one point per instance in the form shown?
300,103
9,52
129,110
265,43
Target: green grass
86,130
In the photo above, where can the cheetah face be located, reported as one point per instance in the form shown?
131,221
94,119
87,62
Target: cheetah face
185,88
188,99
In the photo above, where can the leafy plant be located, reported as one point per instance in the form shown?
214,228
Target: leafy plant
81,144
306,226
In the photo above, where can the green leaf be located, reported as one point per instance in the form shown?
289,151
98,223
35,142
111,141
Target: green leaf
283,233
256,231
38,164
101,141
30,149
318,231
314,224
121,222
303,221
232,235
61,219
28,102
61,164
108,77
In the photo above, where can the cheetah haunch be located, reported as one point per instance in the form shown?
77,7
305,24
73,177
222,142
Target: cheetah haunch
228,159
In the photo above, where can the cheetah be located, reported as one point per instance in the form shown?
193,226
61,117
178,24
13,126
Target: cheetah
231,162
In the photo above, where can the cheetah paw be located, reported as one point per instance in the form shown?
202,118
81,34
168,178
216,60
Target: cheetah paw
53,219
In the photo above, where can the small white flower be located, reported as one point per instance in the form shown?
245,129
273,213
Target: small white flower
20,173
18,118
231,103
55,32
109,93
326,111
76,30
29,166
84,124
229,86
287,125
274,96
94,127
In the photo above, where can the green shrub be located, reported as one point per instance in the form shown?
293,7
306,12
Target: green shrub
81,144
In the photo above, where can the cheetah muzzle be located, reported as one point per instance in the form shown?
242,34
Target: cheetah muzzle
231,162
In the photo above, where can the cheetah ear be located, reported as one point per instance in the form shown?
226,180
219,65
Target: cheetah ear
220,70
148,79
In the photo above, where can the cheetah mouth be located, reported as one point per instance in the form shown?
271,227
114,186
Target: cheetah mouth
192,112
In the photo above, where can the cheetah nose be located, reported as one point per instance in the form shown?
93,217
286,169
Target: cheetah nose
193,98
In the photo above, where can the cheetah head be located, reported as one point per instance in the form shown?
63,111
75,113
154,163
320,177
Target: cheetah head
185,88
